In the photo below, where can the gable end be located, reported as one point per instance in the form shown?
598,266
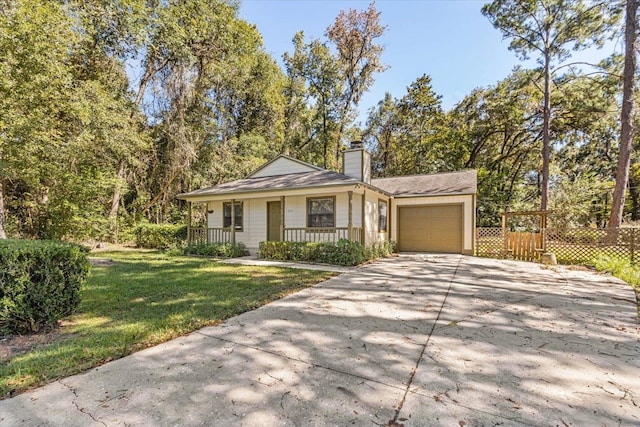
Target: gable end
283,165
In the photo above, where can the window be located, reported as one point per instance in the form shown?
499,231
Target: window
320,212
382,216
226,208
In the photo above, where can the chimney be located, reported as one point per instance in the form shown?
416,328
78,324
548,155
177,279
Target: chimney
356,162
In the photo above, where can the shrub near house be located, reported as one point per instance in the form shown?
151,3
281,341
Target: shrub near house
39,283
342,252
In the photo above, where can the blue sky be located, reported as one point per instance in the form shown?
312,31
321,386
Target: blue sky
450,40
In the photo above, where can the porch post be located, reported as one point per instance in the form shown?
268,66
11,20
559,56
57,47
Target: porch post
206,222
189,236
363,220
350,225
233,221
282,218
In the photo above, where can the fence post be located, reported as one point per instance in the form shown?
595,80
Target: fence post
632,244
350,220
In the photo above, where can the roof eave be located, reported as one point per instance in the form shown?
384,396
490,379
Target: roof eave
203,197
407,196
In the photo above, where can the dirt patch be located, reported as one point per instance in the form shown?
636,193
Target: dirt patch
580,267
101,261
14,345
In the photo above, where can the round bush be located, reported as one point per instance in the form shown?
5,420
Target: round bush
40,283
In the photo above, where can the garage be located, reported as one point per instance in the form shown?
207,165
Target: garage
435,228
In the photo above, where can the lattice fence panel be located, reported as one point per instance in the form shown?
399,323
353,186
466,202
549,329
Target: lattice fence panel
582,245
490,242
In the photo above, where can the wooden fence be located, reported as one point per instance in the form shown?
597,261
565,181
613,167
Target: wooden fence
573,245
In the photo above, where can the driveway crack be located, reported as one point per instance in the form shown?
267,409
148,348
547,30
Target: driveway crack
75,403
394,420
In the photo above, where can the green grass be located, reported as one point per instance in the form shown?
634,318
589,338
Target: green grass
144,299
619,267
622,269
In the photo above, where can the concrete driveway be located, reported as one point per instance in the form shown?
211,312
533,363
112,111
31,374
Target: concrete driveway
417,340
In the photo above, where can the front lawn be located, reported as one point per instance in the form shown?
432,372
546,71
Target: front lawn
143,299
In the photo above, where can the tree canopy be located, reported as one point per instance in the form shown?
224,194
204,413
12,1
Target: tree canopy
111,108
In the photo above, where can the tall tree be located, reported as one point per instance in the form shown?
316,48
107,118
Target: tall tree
550,29
115,31
211,86
35,41
627,113
296,94
498,128
407,135
354,34
381,135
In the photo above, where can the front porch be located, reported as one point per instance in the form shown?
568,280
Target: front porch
288,218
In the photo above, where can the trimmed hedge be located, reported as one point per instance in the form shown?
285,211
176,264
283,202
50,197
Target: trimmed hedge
225,250
343,252
40,283
159,236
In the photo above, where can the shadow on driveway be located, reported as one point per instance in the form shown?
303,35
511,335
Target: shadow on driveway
415,340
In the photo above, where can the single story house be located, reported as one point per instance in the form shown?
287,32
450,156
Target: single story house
290,200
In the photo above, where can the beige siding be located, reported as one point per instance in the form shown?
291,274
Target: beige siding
295,212
357,164
372,234
254,222
282,166
214,216
357,210
366,170
468,213
353,164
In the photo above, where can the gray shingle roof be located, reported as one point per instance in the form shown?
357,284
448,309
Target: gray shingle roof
440,184
321,178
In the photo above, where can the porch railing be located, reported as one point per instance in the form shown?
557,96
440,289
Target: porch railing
303,234
209,235
329,235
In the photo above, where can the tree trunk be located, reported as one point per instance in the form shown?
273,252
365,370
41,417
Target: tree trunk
626,117
3,234
115,201
546,134
117,193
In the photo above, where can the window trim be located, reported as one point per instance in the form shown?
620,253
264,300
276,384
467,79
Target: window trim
386,217
240,227
308,215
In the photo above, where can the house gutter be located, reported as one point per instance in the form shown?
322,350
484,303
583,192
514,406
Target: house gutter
408,196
